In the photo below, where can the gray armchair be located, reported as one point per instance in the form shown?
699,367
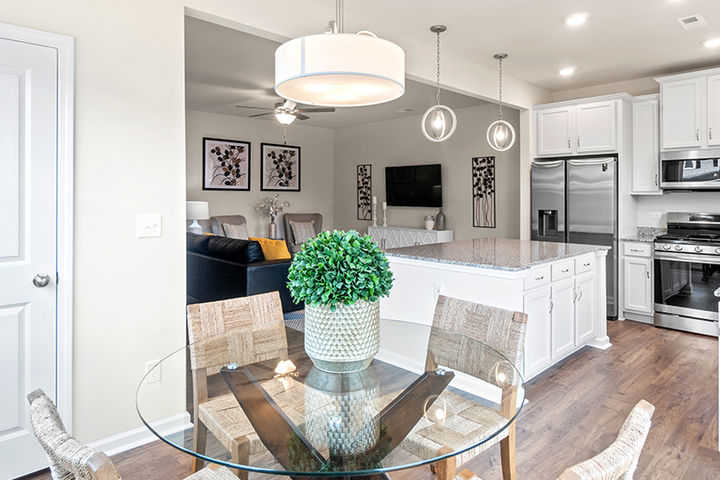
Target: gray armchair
299,217
216,223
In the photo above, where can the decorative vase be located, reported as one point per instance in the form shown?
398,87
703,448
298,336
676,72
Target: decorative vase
340,412
440,220
429,222
345,340
272,229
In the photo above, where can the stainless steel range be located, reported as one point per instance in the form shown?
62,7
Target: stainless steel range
687,273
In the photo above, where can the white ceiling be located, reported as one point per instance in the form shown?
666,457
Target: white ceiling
622,39
225,67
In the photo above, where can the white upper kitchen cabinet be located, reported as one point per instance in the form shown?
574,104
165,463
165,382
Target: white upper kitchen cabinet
554,131
645,146
682,112
581,127
596,127
713,106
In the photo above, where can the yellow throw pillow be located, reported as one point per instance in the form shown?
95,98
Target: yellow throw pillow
273,249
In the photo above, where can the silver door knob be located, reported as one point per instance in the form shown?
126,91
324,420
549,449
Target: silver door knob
41,280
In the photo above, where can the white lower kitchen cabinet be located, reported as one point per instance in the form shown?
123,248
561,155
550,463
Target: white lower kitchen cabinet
563,317
538,343
638,284
584,307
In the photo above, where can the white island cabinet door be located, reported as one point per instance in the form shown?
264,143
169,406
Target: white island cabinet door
596,127
584,307
713,97
681,113
538,342
638,286
563,317
554,131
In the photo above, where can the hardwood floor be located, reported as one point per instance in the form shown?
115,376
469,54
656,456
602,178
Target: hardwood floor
575,410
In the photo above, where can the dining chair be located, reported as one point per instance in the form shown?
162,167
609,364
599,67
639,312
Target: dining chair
243,331
70,459
459,333
620,459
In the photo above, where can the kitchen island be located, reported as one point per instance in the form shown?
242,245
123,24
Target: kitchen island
560,286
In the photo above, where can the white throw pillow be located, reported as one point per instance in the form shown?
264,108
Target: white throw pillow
236,231
302,231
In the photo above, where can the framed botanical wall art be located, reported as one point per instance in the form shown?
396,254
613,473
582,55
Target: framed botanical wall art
364,192
483,192
279,167
226,164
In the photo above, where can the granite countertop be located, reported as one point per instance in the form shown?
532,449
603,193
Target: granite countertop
495,253
639,238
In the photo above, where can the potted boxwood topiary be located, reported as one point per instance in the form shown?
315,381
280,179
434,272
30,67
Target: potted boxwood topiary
340,276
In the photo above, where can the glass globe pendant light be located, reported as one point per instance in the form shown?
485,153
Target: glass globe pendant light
500,134
439,121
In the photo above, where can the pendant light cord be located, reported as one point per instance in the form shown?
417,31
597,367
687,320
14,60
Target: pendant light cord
437,77
500,96
340,16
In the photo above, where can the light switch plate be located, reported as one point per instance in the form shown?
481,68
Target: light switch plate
655,215
149,225
153,371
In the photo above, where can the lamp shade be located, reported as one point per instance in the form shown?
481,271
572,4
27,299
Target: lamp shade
197,210
340,70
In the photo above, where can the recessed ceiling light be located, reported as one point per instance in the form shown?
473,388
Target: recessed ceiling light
576,19
567,71
712,42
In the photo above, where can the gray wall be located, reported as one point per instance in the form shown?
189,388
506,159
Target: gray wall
316,177
400,142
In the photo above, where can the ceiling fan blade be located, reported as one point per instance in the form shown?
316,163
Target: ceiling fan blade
300,116
316,110
254,108
261,114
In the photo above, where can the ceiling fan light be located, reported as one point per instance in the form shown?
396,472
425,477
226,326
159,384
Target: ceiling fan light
339,70
285,118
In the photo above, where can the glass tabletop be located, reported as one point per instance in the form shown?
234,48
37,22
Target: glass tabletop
284,416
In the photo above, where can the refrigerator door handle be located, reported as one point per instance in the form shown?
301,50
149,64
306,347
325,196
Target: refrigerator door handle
594,161
547,164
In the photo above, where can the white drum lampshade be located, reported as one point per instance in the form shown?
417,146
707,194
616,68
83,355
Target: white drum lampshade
340,70
196,211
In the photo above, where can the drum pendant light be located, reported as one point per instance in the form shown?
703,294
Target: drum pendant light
337,69
439,122
500,134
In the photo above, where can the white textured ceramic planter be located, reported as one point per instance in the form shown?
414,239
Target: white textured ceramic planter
345,340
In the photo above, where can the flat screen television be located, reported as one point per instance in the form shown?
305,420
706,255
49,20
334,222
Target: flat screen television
413,186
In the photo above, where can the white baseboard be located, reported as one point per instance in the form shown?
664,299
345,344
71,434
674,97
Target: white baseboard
139,436
601,343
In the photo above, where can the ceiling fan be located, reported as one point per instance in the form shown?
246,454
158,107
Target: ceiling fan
286,112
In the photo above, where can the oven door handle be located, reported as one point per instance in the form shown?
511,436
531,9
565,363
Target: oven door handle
688,258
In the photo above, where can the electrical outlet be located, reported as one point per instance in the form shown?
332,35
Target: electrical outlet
155,370
655,215
149,225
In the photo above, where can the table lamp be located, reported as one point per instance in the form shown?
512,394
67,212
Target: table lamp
196,211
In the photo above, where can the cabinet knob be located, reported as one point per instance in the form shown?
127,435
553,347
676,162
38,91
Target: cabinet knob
697,134
647,272
656,179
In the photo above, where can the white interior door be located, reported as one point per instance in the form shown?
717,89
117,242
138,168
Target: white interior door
28,152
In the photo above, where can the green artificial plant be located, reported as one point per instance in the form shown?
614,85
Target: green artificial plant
339,268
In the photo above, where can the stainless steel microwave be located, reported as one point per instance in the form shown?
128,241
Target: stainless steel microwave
690,170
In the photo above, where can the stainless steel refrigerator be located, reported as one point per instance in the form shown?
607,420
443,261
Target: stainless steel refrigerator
574,200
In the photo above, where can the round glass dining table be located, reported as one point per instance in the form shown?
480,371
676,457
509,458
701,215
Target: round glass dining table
283,416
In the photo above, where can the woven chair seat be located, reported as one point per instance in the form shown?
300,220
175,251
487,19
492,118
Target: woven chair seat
466,422
467,475
207,473
225,418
